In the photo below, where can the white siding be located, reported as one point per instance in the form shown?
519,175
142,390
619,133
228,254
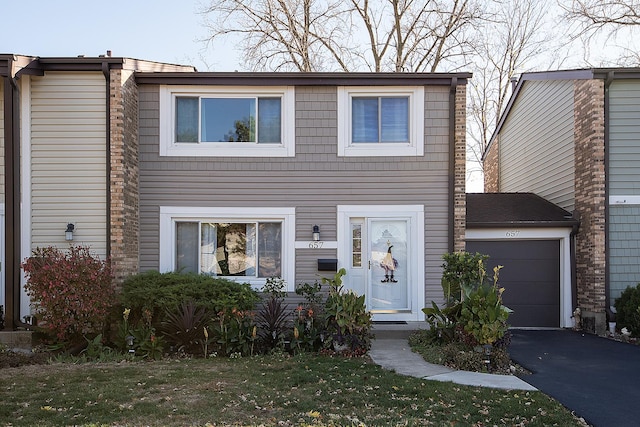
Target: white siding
624,138
68,159
536,143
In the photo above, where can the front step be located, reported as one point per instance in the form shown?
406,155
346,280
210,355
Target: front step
396,330
16,339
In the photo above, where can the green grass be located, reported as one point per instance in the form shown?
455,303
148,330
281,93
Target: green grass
265,390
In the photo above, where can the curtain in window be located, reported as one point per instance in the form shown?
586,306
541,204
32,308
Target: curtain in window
186,119
394,119
229,249
270,249
208,249
187,247
269,120
364,119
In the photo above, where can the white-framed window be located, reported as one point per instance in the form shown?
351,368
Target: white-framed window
381,121
245,244
227,121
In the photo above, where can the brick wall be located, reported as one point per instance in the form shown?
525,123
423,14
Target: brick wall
491,166
589,132
124,207
460,142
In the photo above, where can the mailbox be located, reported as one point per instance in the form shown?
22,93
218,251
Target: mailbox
328,264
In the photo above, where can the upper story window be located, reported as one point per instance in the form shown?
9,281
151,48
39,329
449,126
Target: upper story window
225,122
381,121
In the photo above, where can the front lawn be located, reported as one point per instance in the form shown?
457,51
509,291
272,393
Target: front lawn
265,390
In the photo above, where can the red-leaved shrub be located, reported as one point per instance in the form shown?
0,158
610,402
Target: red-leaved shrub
72,290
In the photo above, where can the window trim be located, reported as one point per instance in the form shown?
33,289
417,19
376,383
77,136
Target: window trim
167,105
169,215
415,147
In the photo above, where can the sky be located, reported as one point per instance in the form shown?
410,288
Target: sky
156,30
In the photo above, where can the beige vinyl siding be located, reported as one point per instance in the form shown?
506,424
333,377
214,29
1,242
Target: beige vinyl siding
536,143
624,138
68,159
315,181
2,181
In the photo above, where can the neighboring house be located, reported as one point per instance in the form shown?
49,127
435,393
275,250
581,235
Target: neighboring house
68,138
573,137
229,174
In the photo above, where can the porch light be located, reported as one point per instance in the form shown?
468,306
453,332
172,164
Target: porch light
68,234
316,233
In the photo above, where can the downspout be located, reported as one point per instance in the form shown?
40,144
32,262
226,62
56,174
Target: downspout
107,75
12,201
452,162
607,256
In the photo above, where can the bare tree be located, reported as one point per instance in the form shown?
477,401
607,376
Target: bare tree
515,41
613,24
415,35
283,35
602,15
349,35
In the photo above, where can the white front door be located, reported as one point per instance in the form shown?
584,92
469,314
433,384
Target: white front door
389,265
384,257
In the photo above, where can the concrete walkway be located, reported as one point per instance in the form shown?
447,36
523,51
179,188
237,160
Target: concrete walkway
392,352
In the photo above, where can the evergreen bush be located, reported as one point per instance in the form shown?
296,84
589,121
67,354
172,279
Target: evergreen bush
166,292
628,310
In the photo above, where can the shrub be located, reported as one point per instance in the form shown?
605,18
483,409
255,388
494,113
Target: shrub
462,273
185,328
273,315
483,315
628,310
72,290
347,320
145,341
234,333
166,292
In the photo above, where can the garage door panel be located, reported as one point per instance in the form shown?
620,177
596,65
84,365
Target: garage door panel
546,315
532,250
531,278
531,270
528,292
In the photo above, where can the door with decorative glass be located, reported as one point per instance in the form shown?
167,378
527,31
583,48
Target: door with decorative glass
382,263
388,265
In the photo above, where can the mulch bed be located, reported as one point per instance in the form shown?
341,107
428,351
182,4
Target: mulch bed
14,359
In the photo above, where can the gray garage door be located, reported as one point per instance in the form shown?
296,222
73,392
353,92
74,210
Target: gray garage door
531,278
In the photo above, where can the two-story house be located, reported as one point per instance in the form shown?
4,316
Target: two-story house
573,137
242,175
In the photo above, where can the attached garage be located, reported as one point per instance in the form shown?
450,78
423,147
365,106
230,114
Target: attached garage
531,238
531,278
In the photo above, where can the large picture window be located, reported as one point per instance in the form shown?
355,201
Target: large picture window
244,243
381,121
252,120
227,121
241,249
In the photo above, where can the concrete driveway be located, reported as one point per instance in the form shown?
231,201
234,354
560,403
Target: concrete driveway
597,378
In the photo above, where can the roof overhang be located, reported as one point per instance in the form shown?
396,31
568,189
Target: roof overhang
302,79
511,210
